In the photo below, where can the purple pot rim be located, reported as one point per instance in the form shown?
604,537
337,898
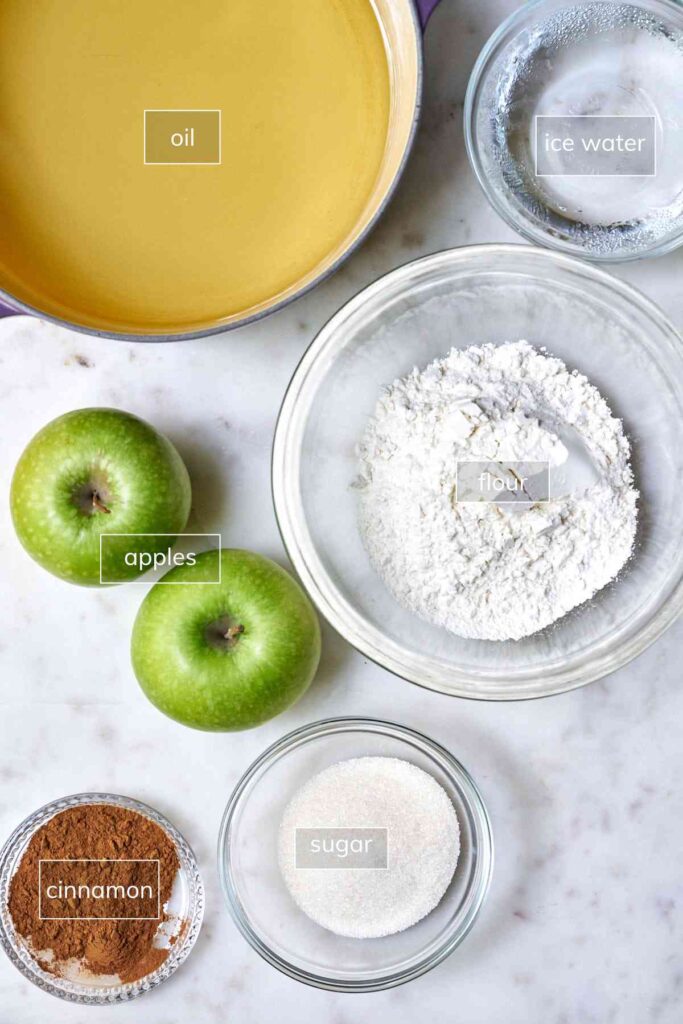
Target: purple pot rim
425,9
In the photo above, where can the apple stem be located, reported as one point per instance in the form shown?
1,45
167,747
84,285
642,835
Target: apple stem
234,632
99,504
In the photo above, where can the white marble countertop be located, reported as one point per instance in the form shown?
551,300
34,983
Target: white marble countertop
583,921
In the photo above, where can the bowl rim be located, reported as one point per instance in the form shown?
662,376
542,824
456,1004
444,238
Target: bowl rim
482,869
71,991
342,616
536,235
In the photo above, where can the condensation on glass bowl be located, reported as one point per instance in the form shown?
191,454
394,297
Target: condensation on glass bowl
179,934
595,57
260,902
493,293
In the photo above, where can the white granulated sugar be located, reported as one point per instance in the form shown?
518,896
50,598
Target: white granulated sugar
423,846
483,570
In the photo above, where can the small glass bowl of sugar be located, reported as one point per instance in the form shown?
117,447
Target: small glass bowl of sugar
573,125
289,780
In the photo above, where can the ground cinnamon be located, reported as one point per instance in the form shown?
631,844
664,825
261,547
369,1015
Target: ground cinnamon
90,890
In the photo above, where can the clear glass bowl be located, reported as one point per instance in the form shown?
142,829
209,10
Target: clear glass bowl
491,293
260,903
498,110
190,895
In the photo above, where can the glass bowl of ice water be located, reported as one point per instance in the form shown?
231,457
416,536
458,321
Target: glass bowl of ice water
260,902
574,129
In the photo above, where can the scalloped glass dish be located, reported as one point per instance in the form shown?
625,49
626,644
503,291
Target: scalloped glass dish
260,902
190,896
491,293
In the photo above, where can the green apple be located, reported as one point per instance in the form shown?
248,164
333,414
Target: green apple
227,655
93,472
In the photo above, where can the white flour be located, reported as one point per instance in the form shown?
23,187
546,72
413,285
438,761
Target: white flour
482,570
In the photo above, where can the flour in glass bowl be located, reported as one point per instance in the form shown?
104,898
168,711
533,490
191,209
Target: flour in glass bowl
482,570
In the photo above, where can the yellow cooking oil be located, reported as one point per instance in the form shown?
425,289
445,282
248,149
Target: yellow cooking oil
265,130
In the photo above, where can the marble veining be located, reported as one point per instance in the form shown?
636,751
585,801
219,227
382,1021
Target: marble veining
583,922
